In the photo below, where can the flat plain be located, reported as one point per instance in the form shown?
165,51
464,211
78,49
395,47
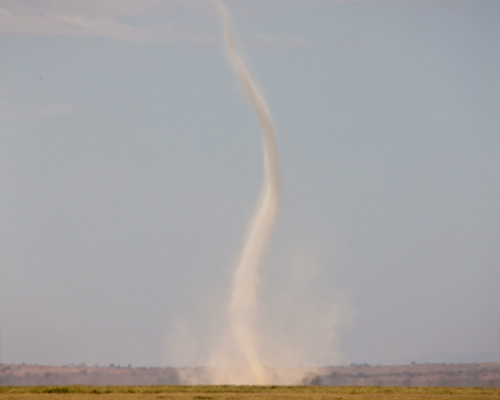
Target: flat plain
228,392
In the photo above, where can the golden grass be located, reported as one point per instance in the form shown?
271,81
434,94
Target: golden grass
228,392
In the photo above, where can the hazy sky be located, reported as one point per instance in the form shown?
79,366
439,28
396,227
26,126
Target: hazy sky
131,163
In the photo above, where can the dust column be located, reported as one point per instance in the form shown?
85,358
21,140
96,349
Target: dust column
243,303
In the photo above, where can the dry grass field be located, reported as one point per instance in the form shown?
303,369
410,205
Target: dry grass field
228,392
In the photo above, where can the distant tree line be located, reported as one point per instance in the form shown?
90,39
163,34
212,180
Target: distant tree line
450,375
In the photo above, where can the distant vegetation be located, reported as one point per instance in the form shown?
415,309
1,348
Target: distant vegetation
444,375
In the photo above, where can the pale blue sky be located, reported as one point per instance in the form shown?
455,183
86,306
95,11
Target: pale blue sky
131,162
